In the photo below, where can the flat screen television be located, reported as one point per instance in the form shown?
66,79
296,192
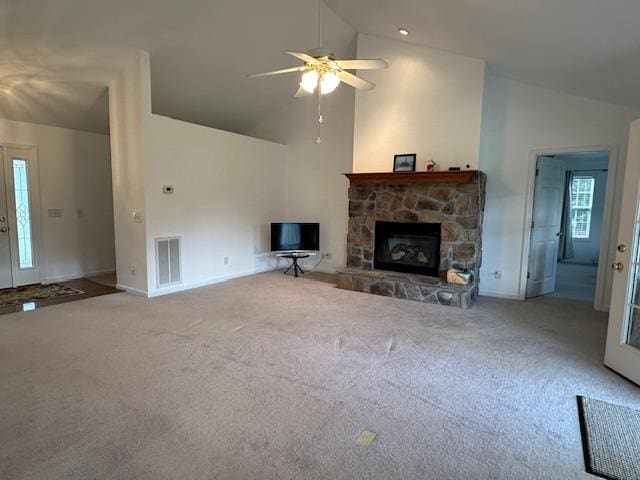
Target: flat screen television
295,237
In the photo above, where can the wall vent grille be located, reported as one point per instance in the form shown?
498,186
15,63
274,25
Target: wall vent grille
168,261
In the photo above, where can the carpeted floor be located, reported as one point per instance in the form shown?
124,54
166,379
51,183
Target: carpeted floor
576,282
273,377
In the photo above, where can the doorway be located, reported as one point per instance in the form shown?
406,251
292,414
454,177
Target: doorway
568,235
19,217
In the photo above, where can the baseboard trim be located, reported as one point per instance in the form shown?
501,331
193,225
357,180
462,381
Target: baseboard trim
504,296
324,270
135,291
66,278
181,287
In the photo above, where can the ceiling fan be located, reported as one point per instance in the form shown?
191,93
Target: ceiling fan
322,69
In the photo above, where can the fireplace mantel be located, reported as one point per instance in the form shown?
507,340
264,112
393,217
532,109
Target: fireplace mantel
404,178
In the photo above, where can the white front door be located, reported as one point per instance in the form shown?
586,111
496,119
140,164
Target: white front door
545,231
19,217
6,270
623,336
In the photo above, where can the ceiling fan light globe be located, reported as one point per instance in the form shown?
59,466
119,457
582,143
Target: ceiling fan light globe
309,80
328,83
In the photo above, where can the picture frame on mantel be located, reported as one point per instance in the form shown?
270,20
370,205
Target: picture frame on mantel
404,162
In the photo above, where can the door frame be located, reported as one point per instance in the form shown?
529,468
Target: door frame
606,235
36,206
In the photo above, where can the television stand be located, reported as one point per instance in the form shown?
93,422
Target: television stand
294,257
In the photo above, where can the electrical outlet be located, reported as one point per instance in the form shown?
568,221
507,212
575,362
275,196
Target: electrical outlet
497,274
226,260
132,269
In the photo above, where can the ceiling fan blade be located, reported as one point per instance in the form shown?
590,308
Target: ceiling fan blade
277,72
354,81
373,64
304,57
301,93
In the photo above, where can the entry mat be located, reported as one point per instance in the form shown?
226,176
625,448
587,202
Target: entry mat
33,293
610,439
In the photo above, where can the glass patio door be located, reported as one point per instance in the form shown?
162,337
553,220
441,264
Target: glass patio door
623,336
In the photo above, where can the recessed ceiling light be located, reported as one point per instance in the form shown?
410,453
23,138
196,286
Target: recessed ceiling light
403,31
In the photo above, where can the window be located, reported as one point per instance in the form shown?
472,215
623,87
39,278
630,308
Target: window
23,213
581,205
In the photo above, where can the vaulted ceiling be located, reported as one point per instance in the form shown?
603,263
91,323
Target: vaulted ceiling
589,48
201,53
56,56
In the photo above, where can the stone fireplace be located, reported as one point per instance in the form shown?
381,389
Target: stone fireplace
407,229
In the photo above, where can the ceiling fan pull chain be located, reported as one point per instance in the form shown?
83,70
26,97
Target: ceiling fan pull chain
319,23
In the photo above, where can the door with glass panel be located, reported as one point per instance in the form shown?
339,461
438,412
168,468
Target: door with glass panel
623,335
18,217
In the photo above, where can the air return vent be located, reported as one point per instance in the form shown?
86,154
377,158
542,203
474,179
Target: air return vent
168,261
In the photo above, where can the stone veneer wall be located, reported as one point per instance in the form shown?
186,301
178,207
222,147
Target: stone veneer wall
457,206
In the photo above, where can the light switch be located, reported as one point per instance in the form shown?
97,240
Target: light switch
54,213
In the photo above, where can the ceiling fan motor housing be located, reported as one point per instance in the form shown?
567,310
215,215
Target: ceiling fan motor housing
320,53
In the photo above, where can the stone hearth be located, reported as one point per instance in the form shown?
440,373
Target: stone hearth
454,200
419,288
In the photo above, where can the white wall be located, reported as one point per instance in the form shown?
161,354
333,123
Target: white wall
227,189
129,114
518,119
75,173
316,188
428,102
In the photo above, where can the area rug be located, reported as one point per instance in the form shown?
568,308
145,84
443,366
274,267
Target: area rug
610,438
32,293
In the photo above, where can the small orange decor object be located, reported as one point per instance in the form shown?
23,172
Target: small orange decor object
458,277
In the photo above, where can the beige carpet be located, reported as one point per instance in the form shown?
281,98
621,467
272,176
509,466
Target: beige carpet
273,377
576,282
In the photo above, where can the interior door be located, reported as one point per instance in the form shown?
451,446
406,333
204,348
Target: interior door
19,192
546,228
622,353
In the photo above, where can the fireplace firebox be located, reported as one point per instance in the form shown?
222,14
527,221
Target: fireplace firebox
407,247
